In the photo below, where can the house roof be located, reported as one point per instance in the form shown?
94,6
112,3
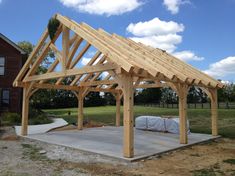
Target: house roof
139,60
11,43
129,54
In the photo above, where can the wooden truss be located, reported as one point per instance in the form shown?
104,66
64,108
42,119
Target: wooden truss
129,65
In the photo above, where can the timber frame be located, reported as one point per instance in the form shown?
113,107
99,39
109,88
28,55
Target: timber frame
129,65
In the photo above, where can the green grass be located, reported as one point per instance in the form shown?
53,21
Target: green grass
200,121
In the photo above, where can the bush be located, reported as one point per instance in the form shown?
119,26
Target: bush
36,117
40,119
10,118
52,26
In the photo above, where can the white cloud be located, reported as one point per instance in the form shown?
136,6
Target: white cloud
155,27
103,7
85,60
161,34
157,33
173,5
222,68
165,42
187,56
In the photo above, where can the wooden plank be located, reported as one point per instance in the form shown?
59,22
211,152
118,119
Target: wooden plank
107,50
71,72
186,68
183,90
49,86
43,54
73,64
65,46
83,51
57,53
77,43
214,112
118,109
31,57
94,83
93,59
128,116
152,85
25,112
97,89
80,109
72,40
51,68
164,67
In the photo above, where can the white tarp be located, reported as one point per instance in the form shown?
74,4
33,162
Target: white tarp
155,123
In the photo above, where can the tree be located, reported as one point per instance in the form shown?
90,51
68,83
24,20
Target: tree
168,96
26,47
150,95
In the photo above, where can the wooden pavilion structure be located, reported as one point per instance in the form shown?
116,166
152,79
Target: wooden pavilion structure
128,65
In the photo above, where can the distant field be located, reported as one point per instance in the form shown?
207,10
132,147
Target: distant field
199,118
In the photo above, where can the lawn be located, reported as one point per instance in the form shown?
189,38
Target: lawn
199,118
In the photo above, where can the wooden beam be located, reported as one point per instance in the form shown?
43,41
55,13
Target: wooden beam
97,42
214,112
25,112
43,54
93,59
49,86
71,72
58,54
72,40
97,89
51,68
79,56
80,109
118,109
128,94
77,43
182,90
29,61
94,83
65,46
153,85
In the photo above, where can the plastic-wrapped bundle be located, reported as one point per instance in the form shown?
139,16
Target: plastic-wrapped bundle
155,123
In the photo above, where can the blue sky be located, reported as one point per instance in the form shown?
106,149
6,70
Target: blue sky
199,32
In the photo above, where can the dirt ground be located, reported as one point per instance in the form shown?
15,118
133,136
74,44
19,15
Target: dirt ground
20,157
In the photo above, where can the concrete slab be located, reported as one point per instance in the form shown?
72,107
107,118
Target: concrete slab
38,129
108,140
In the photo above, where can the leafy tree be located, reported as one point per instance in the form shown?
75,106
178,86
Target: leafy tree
26,47
94,99
168,96
150,95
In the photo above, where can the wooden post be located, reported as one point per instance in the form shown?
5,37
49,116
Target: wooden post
25,112
128,142
118,109
65,45
182,91
80,109
214,112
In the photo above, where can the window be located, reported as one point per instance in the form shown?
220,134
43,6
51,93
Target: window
2,66
5,99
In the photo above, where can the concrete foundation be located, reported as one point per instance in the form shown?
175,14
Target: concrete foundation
108,141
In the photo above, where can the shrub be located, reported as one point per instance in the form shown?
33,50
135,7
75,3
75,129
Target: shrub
10,118
40,119
52,26
36,117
